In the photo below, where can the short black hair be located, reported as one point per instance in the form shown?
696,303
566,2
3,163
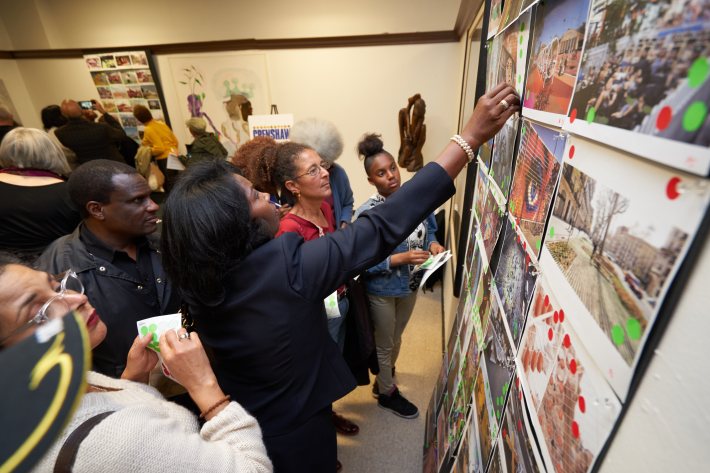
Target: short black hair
93,181
207,230
52,117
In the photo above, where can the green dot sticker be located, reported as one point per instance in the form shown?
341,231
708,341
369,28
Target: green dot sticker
520,38
492,173
591,115
151,329
521,53
698,72
617,334
633,329
694,116
538,244
552,232
522,26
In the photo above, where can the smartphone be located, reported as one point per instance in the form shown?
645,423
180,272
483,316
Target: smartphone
86,104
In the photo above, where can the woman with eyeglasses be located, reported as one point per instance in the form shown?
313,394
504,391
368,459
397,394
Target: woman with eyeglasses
144,432
257,301
300,173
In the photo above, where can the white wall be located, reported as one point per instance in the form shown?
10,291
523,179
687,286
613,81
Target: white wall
19,94
41,24
360,90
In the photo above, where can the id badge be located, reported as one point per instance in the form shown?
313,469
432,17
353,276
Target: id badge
331,305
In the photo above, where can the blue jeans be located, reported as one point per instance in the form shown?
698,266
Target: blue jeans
336,327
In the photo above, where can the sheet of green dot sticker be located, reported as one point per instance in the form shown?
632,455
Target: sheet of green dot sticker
157,326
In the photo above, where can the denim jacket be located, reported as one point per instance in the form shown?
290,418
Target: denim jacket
382,279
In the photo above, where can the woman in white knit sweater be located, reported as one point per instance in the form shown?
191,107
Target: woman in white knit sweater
145,432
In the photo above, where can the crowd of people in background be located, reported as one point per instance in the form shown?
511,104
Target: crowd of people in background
256,250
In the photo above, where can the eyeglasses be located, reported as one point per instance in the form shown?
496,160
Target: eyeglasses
55,307
314,170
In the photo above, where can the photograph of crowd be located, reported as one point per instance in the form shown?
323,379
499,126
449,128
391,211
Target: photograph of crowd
491,223
537,169
558,37
578,409
514,280
616,260
645,69
520,453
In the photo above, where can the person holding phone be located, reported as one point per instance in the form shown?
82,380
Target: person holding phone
90,140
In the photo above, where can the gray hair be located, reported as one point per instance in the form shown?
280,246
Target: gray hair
321,135
32,148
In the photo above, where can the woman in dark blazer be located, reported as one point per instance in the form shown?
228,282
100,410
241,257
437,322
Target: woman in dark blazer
257,302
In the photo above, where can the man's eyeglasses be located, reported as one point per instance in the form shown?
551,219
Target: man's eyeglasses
314,170
56,306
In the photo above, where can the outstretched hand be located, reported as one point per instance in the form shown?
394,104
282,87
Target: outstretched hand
186,359
490,114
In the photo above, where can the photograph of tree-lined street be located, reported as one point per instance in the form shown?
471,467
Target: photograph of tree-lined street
616,260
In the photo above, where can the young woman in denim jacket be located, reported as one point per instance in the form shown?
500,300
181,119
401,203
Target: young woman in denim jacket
391,285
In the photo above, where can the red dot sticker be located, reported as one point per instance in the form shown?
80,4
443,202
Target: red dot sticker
575,429
550,334
562,315
672,188
582,404
566,341
505,432
547,300
571,152
664,118
525,245
520,425
556,316
573,366
573,117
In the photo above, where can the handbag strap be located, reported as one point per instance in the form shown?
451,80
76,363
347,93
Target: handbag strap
67,454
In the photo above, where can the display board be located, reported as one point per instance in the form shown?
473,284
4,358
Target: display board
124,79
583,212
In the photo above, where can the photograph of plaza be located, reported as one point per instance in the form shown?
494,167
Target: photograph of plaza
558,37
616,261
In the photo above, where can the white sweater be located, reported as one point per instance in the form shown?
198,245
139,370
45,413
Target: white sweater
149,434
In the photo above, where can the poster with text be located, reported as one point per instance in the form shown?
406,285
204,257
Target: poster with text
558,38
613,248
537,170
645,70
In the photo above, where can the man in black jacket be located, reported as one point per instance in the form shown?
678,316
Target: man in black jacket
114,255
90,140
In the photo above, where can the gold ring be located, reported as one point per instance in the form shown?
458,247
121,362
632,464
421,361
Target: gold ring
504,103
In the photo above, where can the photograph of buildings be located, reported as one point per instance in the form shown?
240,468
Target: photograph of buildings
558,37
481,308
500,361
512,53
517,447
511,10
536,172
578,409
645,66
514,280
495,17
616,260
501,170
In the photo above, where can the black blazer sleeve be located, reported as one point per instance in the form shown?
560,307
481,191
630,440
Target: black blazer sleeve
320,266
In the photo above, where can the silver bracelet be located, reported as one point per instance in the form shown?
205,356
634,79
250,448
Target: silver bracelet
464,146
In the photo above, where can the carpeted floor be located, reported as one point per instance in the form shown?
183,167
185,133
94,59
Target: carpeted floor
387,443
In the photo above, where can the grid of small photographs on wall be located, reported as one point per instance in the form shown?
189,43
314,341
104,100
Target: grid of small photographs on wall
573,243
123,80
